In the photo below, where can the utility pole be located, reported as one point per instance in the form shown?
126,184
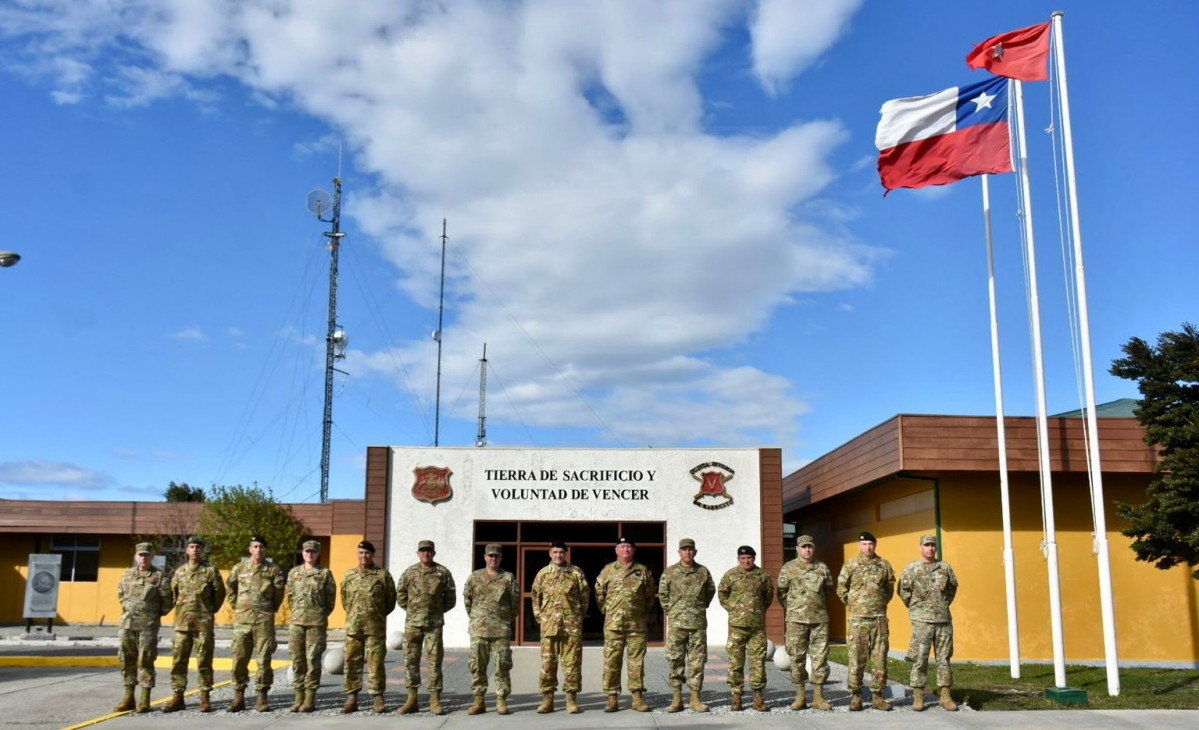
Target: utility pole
437,336
481,438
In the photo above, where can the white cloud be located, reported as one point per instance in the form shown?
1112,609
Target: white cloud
42,473
189,333
790,36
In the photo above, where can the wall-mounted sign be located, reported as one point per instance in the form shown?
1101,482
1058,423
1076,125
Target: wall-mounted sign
41,588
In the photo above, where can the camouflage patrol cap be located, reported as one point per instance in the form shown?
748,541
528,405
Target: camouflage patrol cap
314,545
196,540
928,540
867,536
626,541
805,540
746,550
425,545
144,548
686,542
493,549
367,545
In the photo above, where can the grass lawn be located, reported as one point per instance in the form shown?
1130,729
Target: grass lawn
986,687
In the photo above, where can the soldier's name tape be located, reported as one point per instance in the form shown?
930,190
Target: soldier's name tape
162,662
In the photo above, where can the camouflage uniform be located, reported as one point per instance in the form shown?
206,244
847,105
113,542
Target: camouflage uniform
866,586
685,594
199,592
492,603
560,600
625,597
367,595
425,594
803,590
311,594
927,589
746,594
256,593
145,597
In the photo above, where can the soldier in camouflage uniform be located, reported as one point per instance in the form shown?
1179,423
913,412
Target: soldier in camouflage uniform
804,586
746,591
425,592
145,596
311,594
560,599
866,585
685,592
199,592
927,587
368,594
624,593
256,590
492,599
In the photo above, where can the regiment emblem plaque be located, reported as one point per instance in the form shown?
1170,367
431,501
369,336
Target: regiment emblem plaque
432,484
713,478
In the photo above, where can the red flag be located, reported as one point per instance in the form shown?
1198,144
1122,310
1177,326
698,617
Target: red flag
1019,54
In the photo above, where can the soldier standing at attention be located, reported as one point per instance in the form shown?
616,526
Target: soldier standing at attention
199,592
145,597
866,585
927,587
746,592
368,594
256,589
560,598
425,592
624,593
804,586
311,593
492,599
685,592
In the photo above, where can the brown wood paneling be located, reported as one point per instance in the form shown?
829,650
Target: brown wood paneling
349,516
770,469
129,518
871,456
378,476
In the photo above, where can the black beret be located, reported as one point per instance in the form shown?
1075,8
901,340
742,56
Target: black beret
557,544
259,538
626,541
366,545
867,536
746,550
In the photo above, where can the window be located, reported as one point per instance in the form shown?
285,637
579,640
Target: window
80,557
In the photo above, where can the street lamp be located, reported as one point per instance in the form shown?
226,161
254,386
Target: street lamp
9,258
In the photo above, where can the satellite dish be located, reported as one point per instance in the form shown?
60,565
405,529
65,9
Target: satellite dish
436,335
319,202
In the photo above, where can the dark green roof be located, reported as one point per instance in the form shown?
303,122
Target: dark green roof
1122,408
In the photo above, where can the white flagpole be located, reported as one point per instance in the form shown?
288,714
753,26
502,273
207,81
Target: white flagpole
1009,559
1034,307
1107,608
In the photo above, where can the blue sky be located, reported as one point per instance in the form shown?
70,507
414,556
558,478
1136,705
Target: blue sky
664,221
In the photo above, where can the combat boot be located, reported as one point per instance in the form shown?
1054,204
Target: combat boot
547,703
176,703
917,699
572,703
676,701
818,700
143,700
295,706
205,700
410,705
479,706
126,703
501,704
855,703
639,702
878,703
760,702
801,698
263,704
736,704
378,704
239,700
613,703
309,703
697,702
351,704
435,702
947,702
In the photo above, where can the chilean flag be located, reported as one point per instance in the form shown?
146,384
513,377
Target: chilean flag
943,137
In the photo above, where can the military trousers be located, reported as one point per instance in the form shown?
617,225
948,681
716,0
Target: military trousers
804,640
199,639
482,649
567,650
746,644
255,640
686,655
428,638
370,649
306,645
939,638
616,643
137,652
869,638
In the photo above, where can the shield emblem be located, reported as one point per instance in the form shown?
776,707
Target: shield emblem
432,484
713,483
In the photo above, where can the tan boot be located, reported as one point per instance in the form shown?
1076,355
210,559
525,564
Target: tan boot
379,704
736,704
697,702
435,702
547,703
855,702
760,701
479,706
947,701
613,703
501,704
295,706
676,701
410,705
205,700
801,698
818,700
264,703
143,700
126,704
918,699
309,703
176,703
878,703
572,703
239,700
351,704
639,702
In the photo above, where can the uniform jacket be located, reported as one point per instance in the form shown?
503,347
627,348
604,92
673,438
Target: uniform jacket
927,589
866,586
746,594
311,595
367,595
685,594
255,591
804,589
145,597
625,596
426,594
199,592
560,599
492,602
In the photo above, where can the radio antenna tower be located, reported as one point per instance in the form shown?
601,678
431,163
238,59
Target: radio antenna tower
437,336
481,438
320,204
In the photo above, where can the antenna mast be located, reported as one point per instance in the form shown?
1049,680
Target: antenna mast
437,336
481,438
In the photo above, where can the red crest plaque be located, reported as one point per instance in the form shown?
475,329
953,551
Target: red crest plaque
432,484
713,478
